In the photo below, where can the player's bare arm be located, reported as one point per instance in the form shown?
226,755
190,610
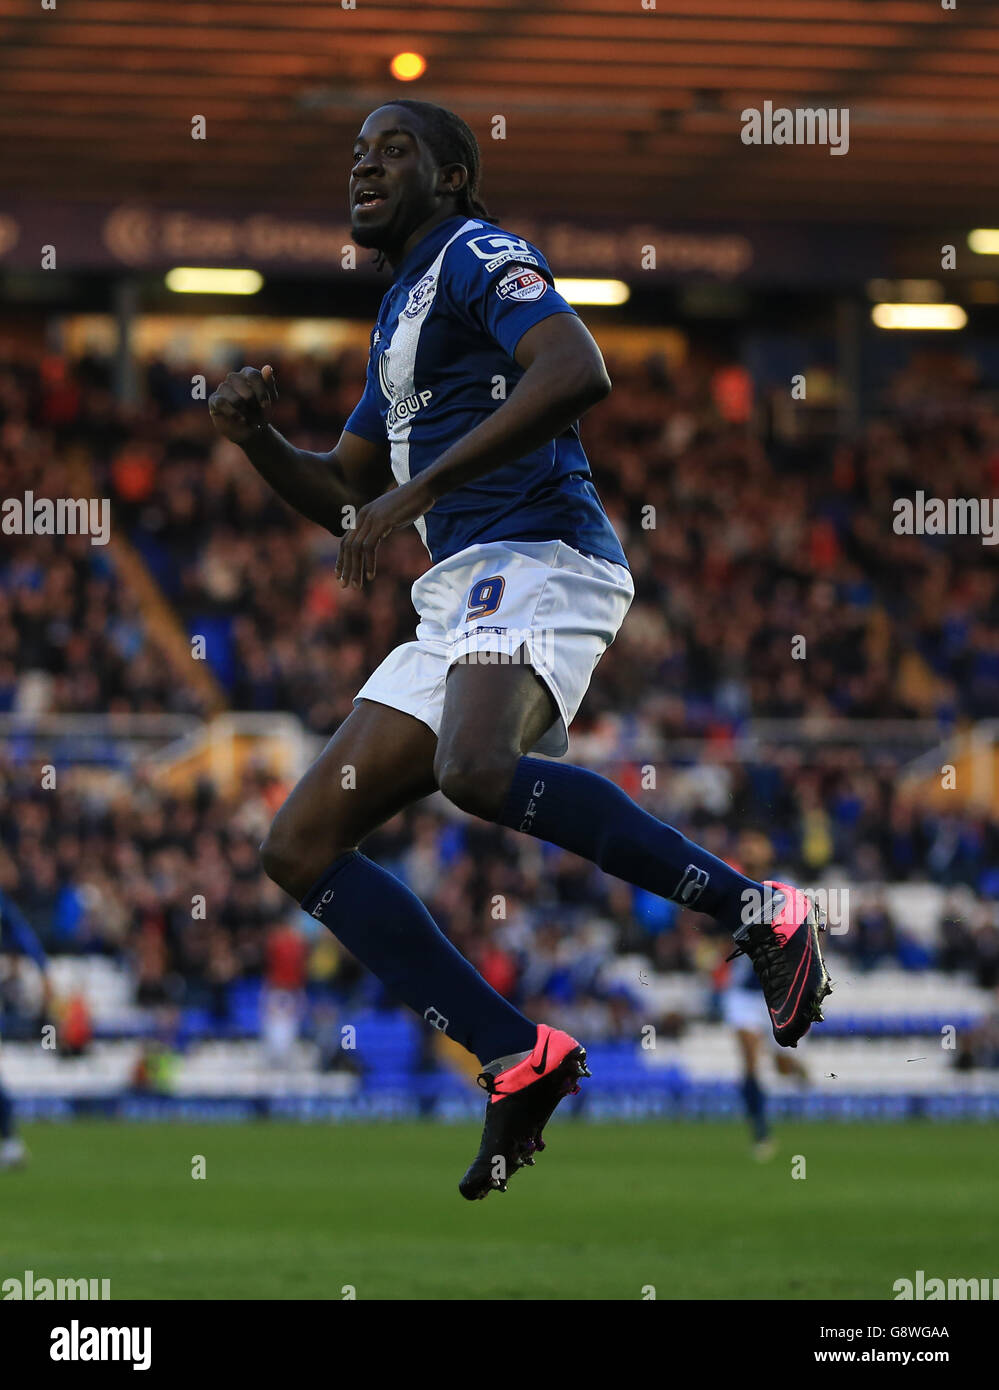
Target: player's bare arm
564,375
319,486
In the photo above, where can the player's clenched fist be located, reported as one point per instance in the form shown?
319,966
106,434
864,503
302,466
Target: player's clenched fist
242,403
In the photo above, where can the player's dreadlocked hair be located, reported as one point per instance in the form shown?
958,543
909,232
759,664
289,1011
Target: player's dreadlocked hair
451,141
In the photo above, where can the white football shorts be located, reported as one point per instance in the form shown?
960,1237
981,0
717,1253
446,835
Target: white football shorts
493,600
747,1009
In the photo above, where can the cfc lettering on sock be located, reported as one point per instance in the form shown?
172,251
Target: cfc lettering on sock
532,806
327,897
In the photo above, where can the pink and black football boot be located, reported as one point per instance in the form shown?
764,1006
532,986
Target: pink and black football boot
783,945
522,1097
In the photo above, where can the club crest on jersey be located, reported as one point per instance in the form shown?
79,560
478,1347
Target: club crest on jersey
384,380
521,284
421,296
497,248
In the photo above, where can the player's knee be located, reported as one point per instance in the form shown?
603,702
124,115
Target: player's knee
290,861
477,785
277,859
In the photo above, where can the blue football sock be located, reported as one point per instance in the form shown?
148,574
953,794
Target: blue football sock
6,1115
390,931
583,812
756,1107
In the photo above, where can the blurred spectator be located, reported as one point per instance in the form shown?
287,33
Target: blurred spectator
75,1031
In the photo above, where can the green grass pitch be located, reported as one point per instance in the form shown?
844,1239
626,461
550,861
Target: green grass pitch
300,1211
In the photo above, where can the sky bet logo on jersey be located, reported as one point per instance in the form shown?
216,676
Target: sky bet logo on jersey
521,285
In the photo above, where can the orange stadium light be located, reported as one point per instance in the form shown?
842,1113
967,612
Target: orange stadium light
407,67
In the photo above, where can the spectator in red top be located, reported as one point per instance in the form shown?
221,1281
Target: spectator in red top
286,958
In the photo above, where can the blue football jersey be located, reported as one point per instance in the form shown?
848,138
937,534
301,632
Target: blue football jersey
441,361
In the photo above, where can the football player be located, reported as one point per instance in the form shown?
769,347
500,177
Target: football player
478,373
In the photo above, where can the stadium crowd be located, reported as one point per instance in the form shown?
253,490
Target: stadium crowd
739,548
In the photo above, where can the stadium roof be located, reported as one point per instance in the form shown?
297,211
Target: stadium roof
611,109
